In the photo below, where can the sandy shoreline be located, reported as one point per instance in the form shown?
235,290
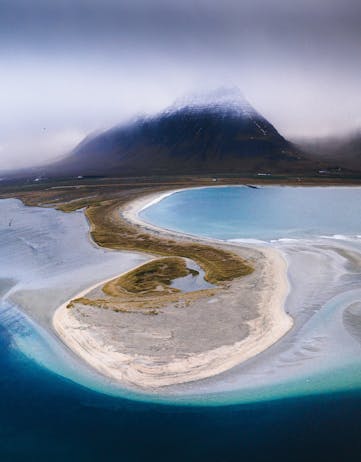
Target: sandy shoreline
147,372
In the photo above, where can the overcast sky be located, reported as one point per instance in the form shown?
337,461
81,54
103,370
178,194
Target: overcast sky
69,67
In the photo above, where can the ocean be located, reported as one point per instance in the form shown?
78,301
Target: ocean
45,417
52,409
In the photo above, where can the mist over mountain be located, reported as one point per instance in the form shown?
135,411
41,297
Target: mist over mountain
211,133
337,152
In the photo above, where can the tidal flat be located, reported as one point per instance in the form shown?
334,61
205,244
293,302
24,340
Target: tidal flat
296,364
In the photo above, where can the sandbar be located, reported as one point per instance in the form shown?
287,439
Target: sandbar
182,343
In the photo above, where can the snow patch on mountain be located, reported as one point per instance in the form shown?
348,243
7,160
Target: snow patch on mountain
224,100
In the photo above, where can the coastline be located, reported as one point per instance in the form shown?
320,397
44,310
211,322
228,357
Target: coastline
143,371
317,356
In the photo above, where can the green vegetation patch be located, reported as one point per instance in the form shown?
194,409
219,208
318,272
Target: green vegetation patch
155,276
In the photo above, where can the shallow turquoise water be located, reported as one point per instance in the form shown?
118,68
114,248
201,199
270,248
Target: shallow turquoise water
289,219
264,213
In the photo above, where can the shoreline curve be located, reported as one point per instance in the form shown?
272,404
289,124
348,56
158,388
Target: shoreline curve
141,371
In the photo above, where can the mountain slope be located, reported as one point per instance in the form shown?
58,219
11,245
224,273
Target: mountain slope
207,134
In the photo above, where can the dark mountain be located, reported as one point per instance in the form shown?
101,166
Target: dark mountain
208,134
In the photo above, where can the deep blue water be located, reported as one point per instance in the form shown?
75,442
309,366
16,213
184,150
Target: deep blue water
44,417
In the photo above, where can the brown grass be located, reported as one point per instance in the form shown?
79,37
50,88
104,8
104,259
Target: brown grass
109,229
103,203
154,277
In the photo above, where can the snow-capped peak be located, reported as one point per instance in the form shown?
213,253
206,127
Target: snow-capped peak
223,99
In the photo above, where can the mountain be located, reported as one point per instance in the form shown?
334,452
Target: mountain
213,133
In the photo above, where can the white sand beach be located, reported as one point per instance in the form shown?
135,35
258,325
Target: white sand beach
261,294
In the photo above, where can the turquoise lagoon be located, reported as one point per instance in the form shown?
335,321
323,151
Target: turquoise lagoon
266,213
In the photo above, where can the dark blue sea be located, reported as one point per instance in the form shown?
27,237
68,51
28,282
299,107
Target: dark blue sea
46,418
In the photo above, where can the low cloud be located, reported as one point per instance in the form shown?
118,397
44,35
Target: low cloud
38,149
79,66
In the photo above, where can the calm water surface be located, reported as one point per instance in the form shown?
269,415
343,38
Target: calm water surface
44,416
264,213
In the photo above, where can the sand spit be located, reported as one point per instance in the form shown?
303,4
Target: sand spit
183,344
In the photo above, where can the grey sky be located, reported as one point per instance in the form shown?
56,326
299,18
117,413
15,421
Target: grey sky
71,67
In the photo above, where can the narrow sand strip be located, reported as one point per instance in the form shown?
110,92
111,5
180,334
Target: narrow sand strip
269,324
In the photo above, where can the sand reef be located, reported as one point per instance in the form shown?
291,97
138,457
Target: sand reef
163,336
